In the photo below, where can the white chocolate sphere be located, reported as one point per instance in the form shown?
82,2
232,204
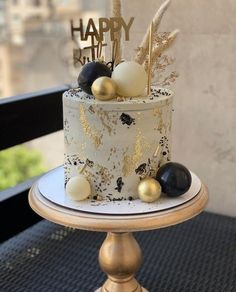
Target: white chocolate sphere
78,188
130,77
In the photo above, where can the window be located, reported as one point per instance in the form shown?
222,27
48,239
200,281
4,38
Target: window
37,54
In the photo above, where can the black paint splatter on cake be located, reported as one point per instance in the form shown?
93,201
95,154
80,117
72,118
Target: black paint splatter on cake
163,91
120,184
141,169
91,109
66,125
75,161
89,163
165,148
127,119
163,141
75,93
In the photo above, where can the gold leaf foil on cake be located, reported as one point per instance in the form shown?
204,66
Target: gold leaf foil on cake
157,111
130,161
161,126
100,176
109,129
89,175
91,109
111,153
107,120
105,175
97,139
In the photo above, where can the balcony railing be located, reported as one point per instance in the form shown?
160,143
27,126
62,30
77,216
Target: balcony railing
24,118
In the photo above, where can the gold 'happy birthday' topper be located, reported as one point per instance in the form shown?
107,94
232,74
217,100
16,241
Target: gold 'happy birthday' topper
112,25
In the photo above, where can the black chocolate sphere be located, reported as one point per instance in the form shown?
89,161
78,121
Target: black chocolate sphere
90,72
174,178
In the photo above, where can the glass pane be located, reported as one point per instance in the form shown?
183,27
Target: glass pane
36,53
35,45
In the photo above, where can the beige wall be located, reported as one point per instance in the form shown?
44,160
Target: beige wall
204,126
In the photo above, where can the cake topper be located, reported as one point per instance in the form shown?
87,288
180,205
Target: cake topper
130,77
95,35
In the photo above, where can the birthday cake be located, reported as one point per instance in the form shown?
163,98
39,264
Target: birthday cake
117,125
119,141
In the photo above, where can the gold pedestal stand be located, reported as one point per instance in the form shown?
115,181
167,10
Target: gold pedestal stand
120,255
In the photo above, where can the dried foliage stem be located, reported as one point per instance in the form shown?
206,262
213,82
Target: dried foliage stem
157,51
143,49
150,51
116,12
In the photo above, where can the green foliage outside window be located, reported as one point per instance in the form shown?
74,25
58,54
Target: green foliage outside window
18,164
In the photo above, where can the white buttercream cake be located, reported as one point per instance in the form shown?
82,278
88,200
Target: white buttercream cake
119,141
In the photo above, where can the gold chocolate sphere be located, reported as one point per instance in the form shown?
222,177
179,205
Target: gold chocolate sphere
104,88
149,190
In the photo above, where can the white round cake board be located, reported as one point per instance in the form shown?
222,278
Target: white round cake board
51,186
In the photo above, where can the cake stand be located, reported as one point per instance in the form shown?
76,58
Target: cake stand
120,255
